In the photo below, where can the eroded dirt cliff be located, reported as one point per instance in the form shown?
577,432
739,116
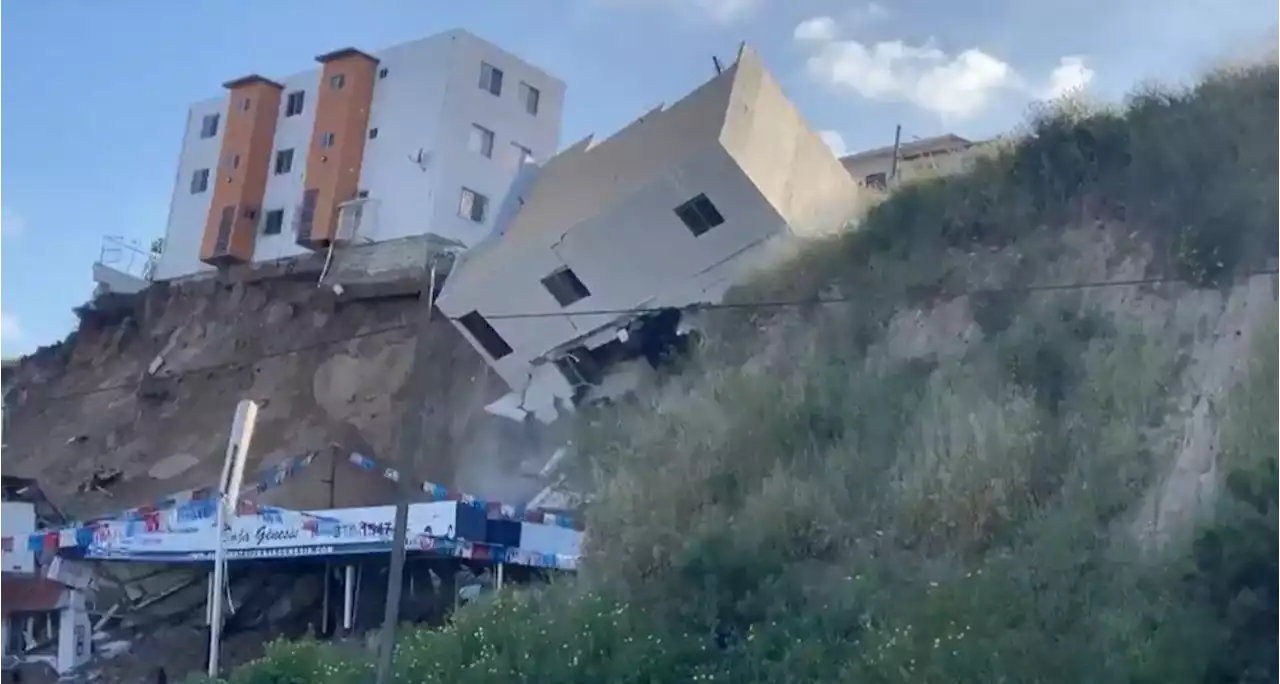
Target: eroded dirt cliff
137,403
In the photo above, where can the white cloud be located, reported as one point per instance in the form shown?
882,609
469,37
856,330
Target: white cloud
835,141
11,224
9,327
957,86
954,86
820,29
1071,75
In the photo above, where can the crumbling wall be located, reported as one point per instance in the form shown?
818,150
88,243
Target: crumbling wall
142,395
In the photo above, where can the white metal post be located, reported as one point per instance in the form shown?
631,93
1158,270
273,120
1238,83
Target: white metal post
228,498
348,597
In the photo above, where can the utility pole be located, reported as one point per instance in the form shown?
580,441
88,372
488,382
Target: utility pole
407,446
893,167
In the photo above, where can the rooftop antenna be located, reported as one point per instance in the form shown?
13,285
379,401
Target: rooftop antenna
716,61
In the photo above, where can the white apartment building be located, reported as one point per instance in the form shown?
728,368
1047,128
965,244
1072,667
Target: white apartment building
368,147
670,211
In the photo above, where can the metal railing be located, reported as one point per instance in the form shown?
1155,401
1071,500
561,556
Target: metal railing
127,256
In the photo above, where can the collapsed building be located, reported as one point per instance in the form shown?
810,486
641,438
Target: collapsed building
562,281
598,251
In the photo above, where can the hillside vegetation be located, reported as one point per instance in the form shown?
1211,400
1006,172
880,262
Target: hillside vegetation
915,486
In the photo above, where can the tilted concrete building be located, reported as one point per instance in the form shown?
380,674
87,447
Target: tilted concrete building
670,211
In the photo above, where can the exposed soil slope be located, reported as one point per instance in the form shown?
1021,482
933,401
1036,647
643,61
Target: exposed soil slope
329,375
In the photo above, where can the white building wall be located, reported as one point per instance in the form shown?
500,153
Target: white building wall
18,520
284,191
407,108
637,254
428,101
188,212
504,114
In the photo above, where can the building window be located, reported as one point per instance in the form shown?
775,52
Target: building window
293,105
209,126
382,73
472,205
699,215
373,133
564,285
529,96
484,333
875,180
199,181
327,140
336,81
273,224
520,154
233,161
481,140
490,78
244,104
284,161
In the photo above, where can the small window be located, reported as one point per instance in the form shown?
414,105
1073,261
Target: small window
373,133
251,213
529,96
284,161
293,105
244,104
233,161
875,180
472,205
199,181
209,126
490,78
481,140
336,81
565,286
484,333
273,224
382,73
699,215
520,154
327,140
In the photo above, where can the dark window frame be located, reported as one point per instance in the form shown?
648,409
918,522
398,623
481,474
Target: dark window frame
273,222
485,335
209,126
284,162
478,199
565,286
337,81
199,181
531,98
699,215
493,84
295,103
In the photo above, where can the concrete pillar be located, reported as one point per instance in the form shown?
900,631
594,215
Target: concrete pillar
73,634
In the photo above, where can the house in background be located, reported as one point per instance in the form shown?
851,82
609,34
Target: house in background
668,212
942,155
367,149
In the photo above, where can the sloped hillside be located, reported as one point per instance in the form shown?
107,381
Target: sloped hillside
1030,436
101,432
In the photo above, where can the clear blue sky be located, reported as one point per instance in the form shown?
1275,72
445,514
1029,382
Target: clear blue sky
95,92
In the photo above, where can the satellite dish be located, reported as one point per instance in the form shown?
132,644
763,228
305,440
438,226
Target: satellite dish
421,158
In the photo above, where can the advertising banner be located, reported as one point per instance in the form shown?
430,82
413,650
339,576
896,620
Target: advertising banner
281,534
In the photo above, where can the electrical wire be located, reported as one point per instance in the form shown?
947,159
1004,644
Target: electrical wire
636,311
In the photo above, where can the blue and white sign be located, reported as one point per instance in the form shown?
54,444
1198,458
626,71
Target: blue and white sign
277,534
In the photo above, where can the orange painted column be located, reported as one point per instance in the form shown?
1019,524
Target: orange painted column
240,178
336,151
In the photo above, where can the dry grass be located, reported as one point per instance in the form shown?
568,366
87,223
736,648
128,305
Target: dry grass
807,502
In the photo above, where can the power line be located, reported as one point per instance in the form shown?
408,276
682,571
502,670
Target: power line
636,311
